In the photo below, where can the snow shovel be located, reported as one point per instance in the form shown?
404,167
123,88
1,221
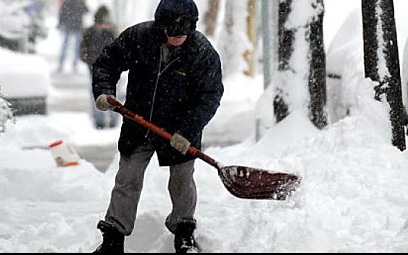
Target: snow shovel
240,181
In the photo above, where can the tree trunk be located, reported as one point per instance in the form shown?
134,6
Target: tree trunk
229,16
211,17
312,62
267,42
269,28
286,38
371,43
249,55
234,42
317,78
381,46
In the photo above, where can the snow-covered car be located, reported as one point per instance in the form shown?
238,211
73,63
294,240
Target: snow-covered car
21,22
14,24
24,81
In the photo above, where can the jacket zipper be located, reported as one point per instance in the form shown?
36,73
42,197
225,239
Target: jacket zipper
159,73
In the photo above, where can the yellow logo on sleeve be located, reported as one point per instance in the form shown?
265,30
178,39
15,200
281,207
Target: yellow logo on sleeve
180,73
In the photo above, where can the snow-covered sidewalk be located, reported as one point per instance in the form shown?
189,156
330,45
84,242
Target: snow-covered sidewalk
353,196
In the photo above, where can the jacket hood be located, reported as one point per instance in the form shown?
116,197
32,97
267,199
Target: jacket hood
102,15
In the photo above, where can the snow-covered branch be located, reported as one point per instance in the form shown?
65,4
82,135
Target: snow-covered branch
5,113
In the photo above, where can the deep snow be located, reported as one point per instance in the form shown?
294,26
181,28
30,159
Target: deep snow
353,196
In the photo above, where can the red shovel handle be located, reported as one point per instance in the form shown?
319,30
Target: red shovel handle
159,131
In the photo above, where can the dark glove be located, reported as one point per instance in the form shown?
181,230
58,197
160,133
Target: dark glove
180,143
102,103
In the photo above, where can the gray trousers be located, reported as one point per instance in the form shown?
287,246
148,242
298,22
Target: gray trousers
125,195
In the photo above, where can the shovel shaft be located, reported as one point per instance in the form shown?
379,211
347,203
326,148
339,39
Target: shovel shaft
160,132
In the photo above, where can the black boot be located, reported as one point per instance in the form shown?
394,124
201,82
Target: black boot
113,240
184,241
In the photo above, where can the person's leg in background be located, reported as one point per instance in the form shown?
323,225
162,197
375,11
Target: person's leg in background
98,118
64,49
113,119
77,49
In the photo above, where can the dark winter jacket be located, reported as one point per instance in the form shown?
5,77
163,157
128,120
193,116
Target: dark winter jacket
71,15
181,96
95,39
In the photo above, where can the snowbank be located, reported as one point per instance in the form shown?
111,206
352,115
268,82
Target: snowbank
34,83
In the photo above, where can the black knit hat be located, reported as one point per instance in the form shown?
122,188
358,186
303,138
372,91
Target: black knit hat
179,17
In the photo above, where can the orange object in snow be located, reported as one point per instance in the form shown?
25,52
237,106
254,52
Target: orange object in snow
64,155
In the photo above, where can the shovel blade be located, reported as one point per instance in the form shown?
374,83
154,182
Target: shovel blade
252,183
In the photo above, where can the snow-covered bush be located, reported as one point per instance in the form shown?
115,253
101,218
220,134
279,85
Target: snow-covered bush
5,113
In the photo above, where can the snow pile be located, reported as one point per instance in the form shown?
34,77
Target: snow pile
353,195
34,83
